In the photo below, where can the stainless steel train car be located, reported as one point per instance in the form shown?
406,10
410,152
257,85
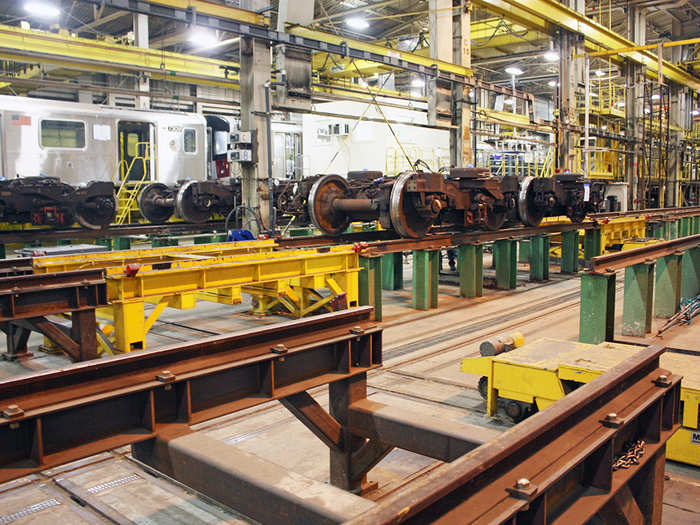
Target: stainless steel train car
85,142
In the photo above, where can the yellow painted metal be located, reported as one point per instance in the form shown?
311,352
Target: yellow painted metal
496,32
216,9
28,45
543,371
557,14
115,261
374,48
612,52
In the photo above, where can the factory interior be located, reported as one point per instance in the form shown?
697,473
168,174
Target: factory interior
350,261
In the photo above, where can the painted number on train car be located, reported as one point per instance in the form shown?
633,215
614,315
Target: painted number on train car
175,129
695,438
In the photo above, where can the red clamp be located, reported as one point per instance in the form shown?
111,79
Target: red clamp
605,221
132,269
359,247
263,236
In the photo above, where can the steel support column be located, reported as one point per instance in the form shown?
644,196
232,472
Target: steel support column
591,244
524,251
690,273
638,301
426,266
370,284
539,258
597,317
505,254
392,271
668,285
470,260
569,252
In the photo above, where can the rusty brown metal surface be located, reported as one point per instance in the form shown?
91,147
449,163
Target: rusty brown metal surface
19,266
557,466
651,213
53,417
622,259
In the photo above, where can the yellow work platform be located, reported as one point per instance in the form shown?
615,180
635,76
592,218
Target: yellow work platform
537,374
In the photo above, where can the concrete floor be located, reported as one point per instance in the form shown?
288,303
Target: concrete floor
422,351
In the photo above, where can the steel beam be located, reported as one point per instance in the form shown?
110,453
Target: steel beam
505,255
618,260
569,252
370,285
138,396
668,285
638,301
392,271
557,466
539,258
470,260
417,432
597,314
690,281
426,268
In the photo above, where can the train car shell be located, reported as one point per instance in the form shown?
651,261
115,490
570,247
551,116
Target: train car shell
81,142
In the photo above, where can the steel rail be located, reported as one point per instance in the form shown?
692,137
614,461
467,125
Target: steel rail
618,260
523,472
56,416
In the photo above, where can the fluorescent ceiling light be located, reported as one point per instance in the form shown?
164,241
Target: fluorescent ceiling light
599,72
552,83
512,70
551,56
604,128
357,23
620,104
509,101
656,96
418,83
594,95
202,38
42,9
696,112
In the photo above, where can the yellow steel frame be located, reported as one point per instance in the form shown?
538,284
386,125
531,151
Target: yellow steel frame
216,9
530,381
28,45
538,13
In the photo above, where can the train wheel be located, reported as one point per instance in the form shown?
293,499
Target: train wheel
155,213
529,213
97,212
186,207
405,217
495,219
320,203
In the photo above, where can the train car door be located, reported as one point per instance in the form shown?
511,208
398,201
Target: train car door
135,151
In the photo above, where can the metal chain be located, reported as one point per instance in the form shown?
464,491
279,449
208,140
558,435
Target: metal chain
634,451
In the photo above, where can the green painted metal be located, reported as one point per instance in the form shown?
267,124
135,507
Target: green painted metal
592,244
3,251
539,258
673,229
159,242
63,242
696,225
524,251
657,230
569,251
668,285
426,265
597,314
638,301
505,252
370,284
470,265
684,226
690,273
392,271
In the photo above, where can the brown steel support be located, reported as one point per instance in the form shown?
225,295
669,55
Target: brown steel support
17,338
417,432
316,419
622,509
350,465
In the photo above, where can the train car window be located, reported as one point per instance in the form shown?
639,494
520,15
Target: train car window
62,134
132,144
190,137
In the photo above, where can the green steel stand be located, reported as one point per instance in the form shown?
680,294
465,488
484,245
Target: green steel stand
370,284
597,318
690,273
539,258
63,242
638,301
426,265
160,242
673,229
668,285
591,244
569,252
696,225
115,243
524,250
392,271
3,251
470,260
505,253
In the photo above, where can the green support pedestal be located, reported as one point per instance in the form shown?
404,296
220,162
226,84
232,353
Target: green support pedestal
657,230
370,284
115,243
426,264
63,242
668,285
539,258
569,252
524,251
160,242
684,227
591,244
696,225
673,229
470,261
690,273
3,251
392,271
597,318
638,301
506,264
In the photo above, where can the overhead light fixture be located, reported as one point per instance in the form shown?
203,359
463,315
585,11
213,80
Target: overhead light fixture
620,104
604,127
695,112
655,96
357,23
599,73
594,95
515,71
202,38
418,83
42,9
551,56
509,101
552,83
